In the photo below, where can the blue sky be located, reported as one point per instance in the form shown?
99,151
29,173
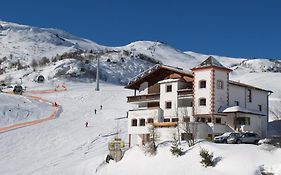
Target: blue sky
240,28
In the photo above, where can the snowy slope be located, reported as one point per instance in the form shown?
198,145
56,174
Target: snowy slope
64,146
16,109
27,42
230,159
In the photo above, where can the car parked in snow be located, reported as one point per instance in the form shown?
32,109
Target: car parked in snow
223,138
275,141
18,89
247,137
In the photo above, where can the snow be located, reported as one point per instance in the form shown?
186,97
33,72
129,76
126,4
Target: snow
64,146
240,109
231,159
16,109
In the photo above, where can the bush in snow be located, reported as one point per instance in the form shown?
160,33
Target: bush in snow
44,61
207,158
175,149
34,63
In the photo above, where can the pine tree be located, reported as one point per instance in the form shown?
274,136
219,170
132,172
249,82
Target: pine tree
175,149
207,158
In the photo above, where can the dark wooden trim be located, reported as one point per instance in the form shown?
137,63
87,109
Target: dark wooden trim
146,97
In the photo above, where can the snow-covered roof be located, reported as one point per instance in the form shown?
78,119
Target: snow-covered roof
248,86
240,109
168,80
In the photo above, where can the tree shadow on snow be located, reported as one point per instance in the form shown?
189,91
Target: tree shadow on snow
217,160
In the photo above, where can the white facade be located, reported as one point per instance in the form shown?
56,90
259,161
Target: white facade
202,93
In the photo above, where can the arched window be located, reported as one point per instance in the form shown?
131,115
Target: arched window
202,84
142,122
202,102
134,122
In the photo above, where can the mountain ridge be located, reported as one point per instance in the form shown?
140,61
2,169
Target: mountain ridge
71,57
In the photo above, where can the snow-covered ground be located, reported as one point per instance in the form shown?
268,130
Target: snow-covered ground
65,146
240,159
15,109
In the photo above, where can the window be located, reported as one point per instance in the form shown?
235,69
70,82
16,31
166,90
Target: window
202,102
202,120
209,120
249,95
236,103
134,122
142,122
260,107
218,120
219,84
166,120
150,120
186,136
168,105
202,84
186,119
169,88
243,121
175,119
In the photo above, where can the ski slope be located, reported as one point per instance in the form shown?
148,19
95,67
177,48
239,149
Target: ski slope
64,145
16,109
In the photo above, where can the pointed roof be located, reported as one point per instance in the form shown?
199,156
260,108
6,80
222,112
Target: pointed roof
211,62
158,73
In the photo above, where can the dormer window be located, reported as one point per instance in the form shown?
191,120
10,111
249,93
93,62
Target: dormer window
169,88
202,84
202,102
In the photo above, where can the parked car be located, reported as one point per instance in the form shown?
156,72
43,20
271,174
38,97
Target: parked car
18,89
223,138
247,137
275,141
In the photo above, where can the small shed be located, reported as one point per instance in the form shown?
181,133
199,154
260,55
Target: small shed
40,79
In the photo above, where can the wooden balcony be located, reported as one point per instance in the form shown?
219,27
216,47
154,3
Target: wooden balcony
165,124
184,93
144,98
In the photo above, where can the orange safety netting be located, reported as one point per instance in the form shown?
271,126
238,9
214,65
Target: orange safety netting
55,106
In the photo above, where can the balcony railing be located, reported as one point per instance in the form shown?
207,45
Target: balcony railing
144,98
185,92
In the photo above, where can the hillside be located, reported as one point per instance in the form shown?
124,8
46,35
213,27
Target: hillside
71,57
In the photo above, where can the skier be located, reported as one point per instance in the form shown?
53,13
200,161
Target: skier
86,124
95,111
100,107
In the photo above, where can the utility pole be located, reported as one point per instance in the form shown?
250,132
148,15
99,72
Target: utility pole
98,76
